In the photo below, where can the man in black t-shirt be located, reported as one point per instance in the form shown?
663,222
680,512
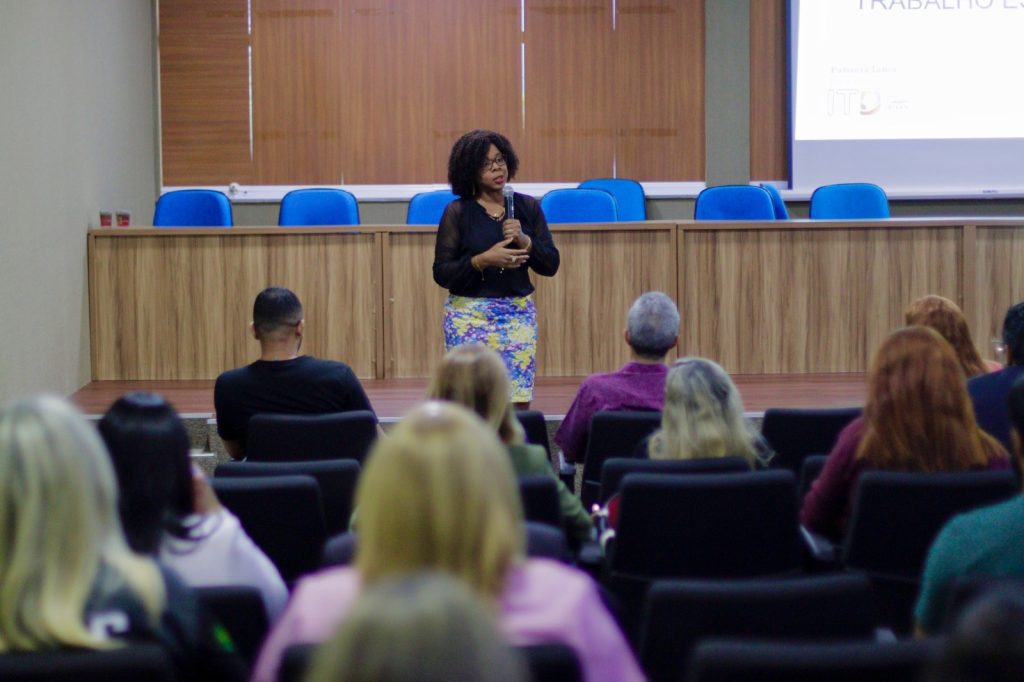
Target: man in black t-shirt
281,381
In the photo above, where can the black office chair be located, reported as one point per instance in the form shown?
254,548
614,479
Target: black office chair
242,613
540,500
772,661
536,428
679,613
551,663
545,663
542,541
810,469
702,526
618,468
895,518
128,664
283,515
303,437
796,433
336,477
612,434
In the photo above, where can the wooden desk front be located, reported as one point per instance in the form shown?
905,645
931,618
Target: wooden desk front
795,296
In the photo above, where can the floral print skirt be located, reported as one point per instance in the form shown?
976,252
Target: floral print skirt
508,325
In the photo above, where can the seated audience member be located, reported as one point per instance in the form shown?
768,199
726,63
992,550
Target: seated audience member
984,542
168,509
988,392
988,644
440,494
281,381
67,576
945,317
703,417
917,417
420,627
475,377
652,331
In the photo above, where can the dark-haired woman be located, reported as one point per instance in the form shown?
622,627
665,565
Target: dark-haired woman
168,510
483,255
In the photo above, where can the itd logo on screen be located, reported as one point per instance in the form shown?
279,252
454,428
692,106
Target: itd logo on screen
853,102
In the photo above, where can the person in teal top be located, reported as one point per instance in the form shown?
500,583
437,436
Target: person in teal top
985,542
475,377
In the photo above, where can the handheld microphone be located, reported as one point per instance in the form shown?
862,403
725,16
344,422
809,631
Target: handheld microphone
510,208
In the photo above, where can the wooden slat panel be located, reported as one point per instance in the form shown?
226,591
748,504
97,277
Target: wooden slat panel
659,89
417,75
204,92
297,93
581,311
570,122
769,155
769,301
178,307
415,310
999,281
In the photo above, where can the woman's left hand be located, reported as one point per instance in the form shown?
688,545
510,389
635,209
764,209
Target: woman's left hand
513,229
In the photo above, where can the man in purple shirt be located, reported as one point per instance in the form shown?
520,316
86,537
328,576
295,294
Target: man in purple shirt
652,331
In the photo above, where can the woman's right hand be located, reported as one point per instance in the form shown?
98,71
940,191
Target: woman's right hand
501,256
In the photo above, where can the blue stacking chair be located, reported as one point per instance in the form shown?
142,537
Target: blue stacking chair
579,206
426,208
781,213
193,208
630,200
734,202
849,201
318,206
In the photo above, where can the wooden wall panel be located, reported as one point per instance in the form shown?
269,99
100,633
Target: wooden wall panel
999,281
769,152
570,122
581,311
417,75
204,92
786,300
177,307
659,89
414,308
297,67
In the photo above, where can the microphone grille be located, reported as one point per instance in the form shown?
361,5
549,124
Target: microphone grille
507,191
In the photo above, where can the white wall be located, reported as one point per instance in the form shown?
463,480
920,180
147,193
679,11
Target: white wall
77,134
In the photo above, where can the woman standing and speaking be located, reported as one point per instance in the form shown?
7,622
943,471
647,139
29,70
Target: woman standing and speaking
487,242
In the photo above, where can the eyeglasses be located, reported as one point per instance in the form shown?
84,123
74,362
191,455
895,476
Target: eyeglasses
496,162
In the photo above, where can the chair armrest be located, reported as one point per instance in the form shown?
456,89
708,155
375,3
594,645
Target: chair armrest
821,548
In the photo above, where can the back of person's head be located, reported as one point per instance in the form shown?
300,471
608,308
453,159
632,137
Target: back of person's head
58,526
418,627
703,415
945,317
276,312
918,414
439,493
475,377
653,325
149,447
1013,333
988,643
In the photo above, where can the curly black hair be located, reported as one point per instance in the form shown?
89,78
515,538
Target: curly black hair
468,156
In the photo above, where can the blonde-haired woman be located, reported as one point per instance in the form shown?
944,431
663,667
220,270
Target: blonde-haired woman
703,417
474,376
420,627
67,577
440,494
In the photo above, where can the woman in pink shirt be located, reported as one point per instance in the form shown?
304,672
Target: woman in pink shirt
440,494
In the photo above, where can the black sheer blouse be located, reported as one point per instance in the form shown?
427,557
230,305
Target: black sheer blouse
467,230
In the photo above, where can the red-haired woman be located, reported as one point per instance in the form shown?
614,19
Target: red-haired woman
945,317
918,417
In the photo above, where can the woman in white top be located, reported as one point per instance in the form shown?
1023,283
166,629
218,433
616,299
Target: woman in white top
168,509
